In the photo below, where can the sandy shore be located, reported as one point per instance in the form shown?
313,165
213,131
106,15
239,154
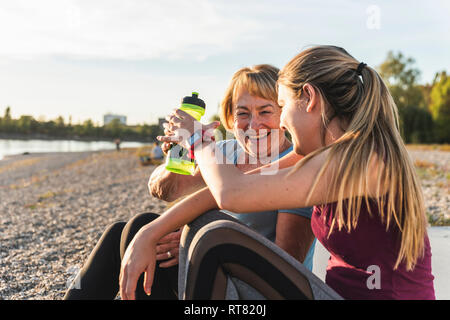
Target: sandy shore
54,208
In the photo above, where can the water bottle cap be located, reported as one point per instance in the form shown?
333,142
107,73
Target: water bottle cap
194,99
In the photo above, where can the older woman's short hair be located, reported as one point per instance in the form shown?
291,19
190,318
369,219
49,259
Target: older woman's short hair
259,80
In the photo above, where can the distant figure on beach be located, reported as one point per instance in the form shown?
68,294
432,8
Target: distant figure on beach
157,152
117,142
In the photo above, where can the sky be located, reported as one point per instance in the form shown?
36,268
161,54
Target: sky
86,58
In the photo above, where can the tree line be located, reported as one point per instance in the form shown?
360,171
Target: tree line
28,126
424,111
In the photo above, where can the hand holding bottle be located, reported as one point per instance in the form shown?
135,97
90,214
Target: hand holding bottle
183,127
179,160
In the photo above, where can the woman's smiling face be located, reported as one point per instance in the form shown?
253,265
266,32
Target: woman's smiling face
257,124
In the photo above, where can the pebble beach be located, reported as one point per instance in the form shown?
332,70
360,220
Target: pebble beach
55,206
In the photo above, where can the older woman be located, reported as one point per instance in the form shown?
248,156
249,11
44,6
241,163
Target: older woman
251,112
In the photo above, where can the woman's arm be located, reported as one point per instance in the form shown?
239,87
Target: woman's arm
263,191
169,186
283,189
294,234
287,161
287,188
140,255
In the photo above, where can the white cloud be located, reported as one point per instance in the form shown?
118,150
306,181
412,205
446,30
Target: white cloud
132,29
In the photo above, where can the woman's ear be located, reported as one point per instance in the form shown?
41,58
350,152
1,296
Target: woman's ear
311,95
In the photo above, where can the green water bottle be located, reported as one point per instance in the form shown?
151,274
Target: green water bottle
177,159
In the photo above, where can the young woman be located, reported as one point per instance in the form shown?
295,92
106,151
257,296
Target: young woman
356,172
250,111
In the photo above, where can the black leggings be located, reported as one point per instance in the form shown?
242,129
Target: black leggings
99,277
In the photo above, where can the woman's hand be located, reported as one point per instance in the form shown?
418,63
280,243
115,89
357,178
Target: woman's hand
181,126
168,248
141,253
139,257
166,146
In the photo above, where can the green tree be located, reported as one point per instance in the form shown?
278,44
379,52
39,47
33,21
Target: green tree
7,120
88,129
114,129
60,127
49,128
402,78
7,115
419,125
149,132
26,125
410,97
440,106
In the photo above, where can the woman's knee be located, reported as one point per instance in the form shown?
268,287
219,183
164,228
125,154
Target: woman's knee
113,232
109,241
133,226
140,220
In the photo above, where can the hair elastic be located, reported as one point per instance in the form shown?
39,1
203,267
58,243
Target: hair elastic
360,67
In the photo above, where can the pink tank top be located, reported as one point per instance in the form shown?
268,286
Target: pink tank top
361,265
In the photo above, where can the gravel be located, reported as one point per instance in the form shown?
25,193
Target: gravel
433,168
54,208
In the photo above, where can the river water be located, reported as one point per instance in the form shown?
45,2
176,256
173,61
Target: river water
13,147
